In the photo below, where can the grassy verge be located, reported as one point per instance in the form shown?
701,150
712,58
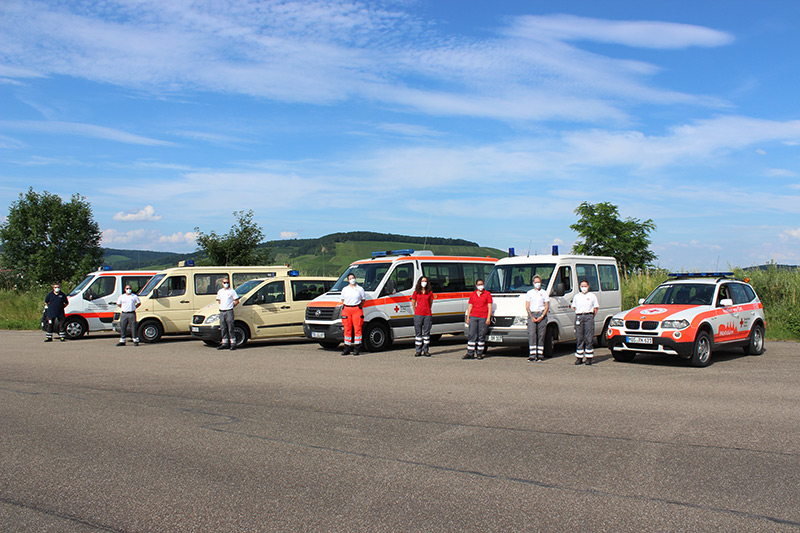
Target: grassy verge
22,310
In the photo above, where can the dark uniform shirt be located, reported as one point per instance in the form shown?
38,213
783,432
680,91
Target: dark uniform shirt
56,303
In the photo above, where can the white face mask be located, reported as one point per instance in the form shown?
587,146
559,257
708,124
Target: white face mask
56,290
128,291
352,281
479,287
226,285
537,285
584,289
423,283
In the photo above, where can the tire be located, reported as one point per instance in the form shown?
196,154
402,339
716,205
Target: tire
329,345
550,336
376,337
240,334
150,331
436,338
210,343
602,339
623,357
755,343
76,327
701,355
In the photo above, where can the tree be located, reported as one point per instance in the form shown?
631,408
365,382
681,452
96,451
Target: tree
239,247
46,240
604,233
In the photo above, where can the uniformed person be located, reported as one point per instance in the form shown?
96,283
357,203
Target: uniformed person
353,297
128,303
479,316
227,299
421,303
585,305
537,304
54,304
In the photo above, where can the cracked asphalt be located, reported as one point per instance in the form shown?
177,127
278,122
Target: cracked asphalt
286,436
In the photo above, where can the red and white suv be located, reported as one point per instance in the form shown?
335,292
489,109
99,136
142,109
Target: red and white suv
689,316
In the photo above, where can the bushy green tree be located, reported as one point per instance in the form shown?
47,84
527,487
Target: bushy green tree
46,240
604,233
238,247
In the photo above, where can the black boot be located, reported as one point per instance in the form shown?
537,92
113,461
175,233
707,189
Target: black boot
355,349
346,350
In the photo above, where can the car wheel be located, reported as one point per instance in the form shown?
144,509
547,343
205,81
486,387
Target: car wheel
549,341
376,337
755,344
76,327
436,338
701,356
150,331
240,335
623,357
602,339
329,345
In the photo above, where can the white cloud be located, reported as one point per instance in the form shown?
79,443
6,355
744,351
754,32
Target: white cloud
147,213
83,130
188,237
112,236
288,234
790,234
145,238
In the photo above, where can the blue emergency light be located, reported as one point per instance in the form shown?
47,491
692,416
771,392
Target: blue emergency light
407,251
294,272
378,254
106,267
700,274
555,249
511,252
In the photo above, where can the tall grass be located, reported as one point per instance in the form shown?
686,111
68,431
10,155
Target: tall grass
22,309
778,289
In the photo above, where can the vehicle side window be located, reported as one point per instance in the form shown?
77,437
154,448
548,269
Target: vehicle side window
271,293
239,278
751,294
608,278
102,287
724,293
401,279
738,293
308,290
474,272
589,273
564,276
173,286
136,282
443,277
208,283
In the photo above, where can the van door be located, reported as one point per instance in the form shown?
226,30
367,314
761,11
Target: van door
560,304
267,311
588,272
303,291
172,304
395,298
101,302
449,293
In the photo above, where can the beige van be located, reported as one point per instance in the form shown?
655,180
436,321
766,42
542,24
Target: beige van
268,308
174,295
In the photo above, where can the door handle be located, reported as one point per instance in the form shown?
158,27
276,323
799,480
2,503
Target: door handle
286,307
184,301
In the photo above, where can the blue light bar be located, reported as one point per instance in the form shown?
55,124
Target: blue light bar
106,267
700,274
378,254
270,274
555,249
189,262
407,251
294,272
511,252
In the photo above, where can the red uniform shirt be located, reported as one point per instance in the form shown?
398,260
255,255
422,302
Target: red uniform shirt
480,304
424,302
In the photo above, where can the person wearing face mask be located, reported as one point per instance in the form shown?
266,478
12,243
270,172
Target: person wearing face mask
479,316
537,303
54,304
586,306
353,297
128,302
421,303
228,299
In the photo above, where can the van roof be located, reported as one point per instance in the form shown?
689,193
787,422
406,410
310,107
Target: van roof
525,259
266,268
425,257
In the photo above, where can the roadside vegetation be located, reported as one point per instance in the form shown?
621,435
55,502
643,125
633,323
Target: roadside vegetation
778,288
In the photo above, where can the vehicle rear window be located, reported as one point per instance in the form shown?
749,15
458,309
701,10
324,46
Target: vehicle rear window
305,290
444,277
136,282
608,278
588,273
208,283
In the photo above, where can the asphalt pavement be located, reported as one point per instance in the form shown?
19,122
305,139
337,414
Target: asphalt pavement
286,436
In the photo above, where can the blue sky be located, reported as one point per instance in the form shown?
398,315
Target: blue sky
489,121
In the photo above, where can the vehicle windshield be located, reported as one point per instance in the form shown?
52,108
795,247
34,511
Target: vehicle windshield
88,279
682,294
368,275
518,278
155,280
248,286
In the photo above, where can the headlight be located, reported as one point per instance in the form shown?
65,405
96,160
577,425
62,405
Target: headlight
616,323
675,324
520,321
212,319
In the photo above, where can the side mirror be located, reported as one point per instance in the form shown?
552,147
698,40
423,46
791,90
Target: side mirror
726,302
641,301
559,289
260,299
87,295
157,293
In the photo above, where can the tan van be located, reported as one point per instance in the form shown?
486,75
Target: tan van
174,295
268,308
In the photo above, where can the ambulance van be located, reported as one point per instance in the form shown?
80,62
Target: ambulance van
173,296
512,278
389,279
93,301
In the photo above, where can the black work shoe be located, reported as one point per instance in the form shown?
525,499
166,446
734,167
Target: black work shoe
222,347
346,350
355,349
48,340
417,354
135,343
120,344
588,361
479,356
233,347
426,354
578,361
468,356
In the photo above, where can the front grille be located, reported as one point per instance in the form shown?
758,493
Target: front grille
631,324
502,321
649,324
198,319
320,313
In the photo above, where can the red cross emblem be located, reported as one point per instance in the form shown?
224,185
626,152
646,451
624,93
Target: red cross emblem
396,308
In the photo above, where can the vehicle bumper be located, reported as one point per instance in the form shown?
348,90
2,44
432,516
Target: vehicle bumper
660,345
206,333
324,332
500,336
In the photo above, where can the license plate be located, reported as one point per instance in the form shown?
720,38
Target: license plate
317,334
640,340
495,338
195,330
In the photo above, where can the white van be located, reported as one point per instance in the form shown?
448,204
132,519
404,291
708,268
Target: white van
174,295
561,275
93,301
389,278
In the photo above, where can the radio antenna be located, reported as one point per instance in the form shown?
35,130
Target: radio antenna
529,247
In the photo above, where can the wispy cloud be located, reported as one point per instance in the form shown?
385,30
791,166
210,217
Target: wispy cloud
148,213
84,130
